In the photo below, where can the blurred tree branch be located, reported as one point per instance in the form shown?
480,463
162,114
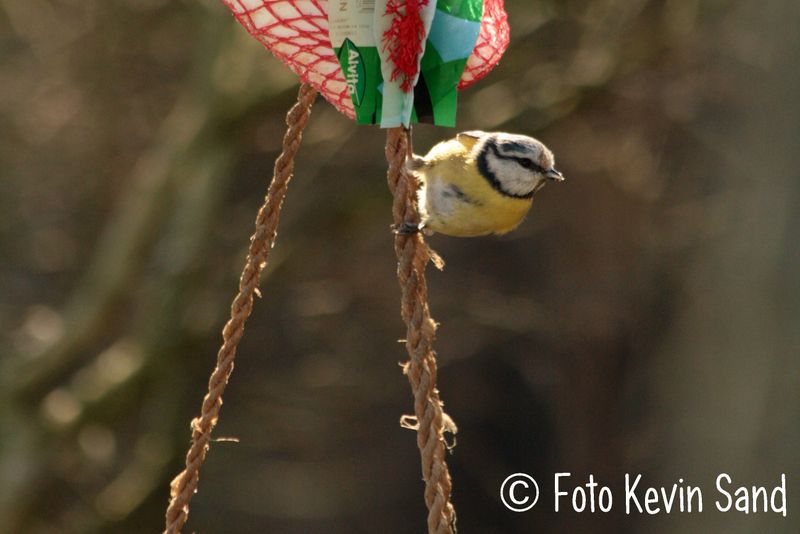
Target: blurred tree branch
201,113
171,199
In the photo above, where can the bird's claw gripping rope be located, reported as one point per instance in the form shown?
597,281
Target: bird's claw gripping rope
407,228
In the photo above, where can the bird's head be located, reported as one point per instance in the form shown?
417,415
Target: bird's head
515,165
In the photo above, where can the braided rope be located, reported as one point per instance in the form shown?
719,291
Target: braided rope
429,420
184,485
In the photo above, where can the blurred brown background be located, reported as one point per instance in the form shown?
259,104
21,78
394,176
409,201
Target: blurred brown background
644,319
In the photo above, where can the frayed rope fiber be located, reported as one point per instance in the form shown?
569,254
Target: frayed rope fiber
184,485
429,419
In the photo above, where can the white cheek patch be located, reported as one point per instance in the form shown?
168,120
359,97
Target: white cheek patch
513,178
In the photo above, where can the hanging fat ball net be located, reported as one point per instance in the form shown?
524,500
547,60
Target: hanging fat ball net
407,49
297,33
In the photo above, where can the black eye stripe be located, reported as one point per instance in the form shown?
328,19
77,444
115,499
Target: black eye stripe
524,162
486,171
529,164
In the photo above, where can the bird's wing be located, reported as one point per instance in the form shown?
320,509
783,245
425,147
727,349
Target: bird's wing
468,139
415,163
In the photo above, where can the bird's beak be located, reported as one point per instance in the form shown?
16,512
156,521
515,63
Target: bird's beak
553,174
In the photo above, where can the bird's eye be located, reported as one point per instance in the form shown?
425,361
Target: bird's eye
529,164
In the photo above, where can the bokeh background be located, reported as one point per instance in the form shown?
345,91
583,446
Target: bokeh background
644,319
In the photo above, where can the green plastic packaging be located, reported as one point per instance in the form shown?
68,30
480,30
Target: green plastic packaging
356,30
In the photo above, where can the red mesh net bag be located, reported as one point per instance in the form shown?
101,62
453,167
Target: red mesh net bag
296,32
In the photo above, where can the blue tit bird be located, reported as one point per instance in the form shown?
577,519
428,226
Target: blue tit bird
480,183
